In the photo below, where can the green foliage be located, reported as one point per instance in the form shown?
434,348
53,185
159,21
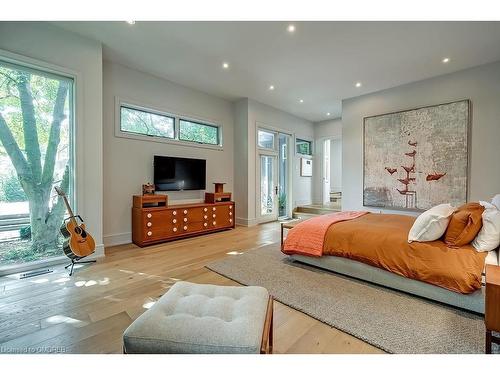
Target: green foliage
304,147
11,190
141,122
20,251
34,130
282,201
25,233
192,131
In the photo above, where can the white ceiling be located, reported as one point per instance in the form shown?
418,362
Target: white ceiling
319,63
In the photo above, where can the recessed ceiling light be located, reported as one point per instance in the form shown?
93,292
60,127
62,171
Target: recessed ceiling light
446,60
131,22
225,65
328,113
301,100
358,84
271,87
291,28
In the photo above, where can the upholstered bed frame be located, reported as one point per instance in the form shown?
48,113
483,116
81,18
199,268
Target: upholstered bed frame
472,302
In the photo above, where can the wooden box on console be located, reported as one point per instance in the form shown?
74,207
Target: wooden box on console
151,225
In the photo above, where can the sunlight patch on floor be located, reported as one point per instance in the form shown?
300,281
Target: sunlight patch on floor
149,302
58,319
234,253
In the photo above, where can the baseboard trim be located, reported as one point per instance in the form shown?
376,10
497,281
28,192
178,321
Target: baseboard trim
243,221
117,239
98,253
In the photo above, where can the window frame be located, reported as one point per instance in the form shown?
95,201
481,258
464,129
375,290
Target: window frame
132,104
202,123
76,142
143,110
304,139
274,148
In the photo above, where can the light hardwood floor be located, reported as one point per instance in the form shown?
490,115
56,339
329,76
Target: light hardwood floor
88,312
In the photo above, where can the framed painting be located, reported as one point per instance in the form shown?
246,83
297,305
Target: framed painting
418,158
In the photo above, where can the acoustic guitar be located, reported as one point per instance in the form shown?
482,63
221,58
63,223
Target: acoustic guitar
78,242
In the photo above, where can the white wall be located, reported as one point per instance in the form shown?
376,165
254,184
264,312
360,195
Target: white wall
258,114
128,162
336,165
480,84
329,129
83,57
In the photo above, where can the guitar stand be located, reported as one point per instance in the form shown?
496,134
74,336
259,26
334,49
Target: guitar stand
77,261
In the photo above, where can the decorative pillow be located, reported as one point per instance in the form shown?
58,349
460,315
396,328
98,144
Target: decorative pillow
431,224
488,237
496,201
465,224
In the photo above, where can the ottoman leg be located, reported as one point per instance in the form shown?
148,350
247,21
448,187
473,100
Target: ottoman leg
266,346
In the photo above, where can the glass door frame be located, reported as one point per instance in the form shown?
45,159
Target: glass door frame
75,95
274,151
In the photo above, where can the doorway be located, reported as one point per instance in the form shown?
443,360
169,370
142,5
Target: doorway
283,169
273,175
332,173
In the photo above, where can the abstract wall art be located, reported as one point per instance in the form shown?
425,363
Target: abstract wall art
418,158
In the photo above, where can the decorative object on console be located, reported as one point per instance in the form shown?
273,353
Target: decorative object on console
306,167
153,221
417,158
219,195
148,189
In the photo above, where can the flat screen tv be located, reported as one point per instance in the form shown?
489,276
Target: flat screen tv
175,174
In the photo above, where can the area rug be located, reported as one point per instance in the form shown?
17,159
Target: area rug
393,321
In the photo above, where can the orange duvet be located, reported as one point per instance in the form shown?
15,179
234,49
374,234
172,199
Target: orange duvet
381,240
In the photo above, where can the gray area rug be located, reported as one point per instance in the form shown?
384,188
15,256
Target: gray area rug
393,321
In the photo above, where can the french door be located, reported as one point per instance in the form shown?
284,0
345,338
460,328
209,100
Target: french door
268,205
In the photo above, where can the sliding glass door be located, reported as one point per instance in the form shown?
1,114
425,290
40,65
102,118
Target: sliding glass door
36,154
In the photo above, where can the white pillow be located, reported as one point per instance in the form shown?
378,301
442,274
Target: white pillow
488,237
496,201
431,224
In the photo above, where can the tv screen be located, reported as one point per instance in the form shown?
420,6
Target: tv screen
179,173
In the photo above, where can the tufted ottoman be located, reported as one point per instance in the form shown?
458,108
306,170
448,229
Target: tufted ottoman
199,318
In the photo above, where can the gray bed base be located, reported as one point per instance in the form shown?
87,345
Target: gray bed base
472,302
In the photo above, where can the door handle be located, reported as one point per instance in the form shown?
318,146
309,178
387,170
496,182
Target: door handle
276,190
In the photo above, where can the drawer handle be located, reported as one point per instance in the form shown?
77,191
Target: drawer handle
149,224
205,224
185,212
214,223
174,221
213,216
175,229
150,233
185,227
185,219
205,209
213,209
174,213
205,217
149,216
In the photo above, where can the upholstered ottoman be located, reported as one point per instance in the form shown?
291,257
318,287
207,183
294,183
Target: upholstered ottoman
198,318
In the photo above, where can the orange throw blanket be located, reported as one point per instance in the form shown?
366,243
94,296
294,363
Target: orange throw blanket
308,237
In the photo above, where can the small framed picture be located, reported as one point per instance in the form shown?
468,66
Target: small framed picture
306,167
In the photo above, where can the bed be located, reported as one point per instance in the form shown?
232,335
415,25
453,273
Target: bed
374,248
